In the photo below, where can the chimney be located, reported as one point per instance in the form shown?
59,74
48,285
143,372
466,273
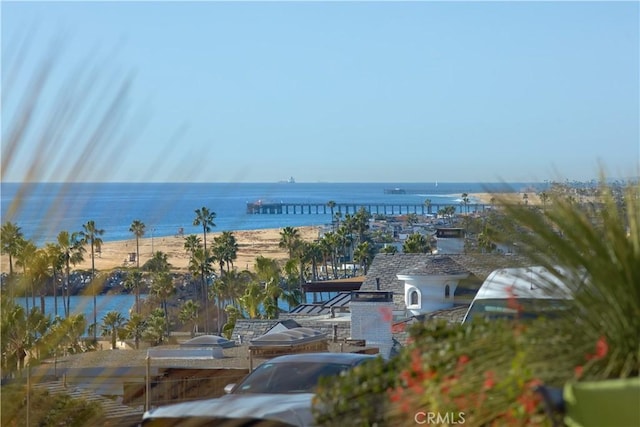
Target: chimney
371,319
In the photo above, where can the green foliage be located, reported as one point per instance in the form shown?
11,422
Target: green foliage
486,371
416,243
45,409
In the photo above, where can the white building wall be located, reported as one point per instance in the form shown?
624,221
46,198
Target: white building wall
368,323
431,291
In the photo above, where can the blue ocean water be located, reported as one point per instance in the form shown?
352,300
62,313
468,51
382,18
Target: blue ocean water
42,210
83,304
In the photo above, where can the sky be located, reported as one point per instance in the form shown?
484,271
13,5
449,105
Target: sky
320,91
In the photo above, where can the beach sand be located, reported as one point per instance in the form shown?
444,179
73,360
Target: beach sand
251,244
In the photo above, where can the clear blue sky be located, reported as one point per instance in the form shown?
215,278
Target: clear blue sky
327,91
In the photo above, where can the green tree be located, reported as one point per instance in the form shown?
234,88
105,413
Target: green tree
10,241
24,256
135,328
112,323
389,249
156,327
252,298
72,253
465,201
191,243
416,243
55,258
289,239
427,203
39,275
205,218
90,235
189,315
134,281
332,204
225,250
200,265
364,254
162,287
158,263
138,229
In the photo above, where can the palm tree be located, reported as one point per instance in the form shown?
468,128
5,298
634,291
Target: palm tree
39,275
162,287
331,204
289,239
389,249
56,262
191,243
72,250
159,262
465,201
134,282
189,315
137,228
156,327
364,254
24,255
10,241
90,234
200,265
427,203
205,218
361,223
112,323
225,249
135,328
416,243
252,298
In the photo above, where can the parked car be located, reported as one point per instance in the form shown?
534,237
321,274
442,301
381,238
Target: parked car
525,293
277,393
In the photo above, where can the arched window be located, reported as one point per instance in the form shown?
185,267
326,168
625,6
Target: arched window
447,291
413,297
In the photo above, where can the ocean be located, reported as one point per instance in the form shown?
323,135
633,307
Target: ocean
42,210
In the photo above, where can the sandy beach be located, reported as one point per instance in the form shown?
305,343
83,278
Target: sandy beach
251,244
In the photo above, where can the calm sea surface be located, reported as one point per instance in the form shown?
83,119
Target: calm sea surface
42,210
81,304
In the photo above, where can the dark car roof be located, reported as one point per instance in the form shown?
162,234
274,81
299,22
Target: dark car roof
342,358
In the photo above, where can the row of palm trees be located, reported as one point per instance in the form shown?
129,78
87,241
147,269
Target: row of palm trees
235,293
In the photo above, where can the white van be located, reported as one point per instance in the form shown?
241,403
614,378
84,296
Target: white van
519,293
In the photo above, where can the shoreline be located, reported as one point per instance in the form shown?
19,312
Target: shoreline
251,244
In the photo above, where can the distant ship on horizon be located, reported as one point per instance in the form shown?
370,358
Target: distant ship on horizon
291,180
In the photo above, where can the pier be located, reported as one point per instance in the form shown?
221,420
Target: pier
281,208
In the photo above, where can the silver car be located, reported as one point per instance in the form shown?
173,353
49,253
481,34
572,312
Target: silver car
276,393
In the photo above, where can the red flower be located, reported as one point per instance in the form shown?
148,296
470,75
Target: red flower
578,371
489,380
387,314
395,394
463,360
602,348
512,300
529,402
